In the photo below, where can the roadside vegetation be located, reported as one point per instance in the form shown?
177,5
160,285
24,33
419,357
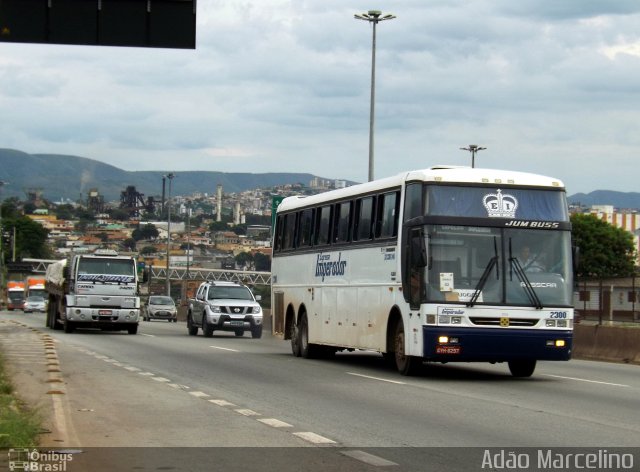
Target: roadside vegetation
19,426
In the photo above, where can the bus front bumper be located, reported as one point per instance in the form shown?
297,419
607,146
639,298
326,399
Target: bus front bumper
447,344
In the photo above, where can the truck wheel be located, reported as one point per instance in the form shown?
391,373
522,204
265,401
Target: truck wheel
207,329
256,332
132,329
68,326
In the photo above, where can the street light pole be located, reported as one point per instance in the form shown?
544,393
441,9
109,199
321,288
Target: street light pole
473,148
373,17
170,177
188,237
2,283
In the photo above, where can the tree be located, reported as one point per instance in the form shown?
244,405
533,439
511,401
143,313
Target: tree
31,237
605,251
147,232
262,262
244,259
130,244
147,250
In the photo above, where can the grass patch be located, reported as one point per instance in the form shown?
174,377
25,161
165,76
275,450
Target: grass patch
19,426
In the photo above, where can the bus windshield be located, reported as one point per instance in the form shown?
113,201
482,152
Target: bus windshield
487,265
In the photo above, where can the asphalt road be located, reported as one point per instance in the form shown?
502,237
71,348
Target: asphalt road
163,388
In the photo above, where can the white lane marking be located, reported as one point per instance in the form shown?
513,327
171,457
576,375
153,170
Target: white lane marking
314,438
146,373
247,412
274,423
222,403
148,335
224,348
160,379
586,380
368,458
199,394
132,369
377,378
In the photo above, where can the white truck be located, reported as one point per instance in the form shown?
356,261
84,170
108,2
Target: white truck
97,290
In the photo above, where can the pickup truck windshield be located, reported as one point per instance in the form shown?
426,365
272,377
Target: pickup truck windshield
236,293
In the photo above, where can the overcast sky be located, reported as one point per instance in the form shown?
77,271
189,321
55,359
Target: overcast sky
547,86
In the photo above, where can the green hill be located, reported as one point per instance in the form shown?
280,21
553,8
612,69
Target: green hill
71,177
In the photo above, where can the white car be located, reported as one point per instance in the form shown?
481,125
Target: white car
161,307
35,303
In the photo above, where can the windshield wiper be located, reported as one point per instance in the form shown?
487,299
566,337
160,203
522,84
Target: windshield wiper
485,275
514,263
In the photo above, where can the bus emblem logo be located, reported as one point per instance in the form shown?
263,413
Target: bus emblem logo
504,322
499,205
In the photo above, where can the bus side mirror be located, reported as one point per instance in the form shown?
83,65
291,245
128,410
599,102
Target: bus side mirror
576,257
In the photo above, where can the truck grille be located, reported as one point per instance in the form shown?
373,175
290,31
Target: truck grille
235,310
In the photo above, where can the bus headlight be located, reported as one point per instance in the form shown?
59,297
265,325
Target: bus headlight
550,323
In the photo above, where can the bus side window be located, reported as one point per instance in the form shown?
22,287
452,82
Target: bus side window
305,226
342,227
277,238
288,231
387,215
363,219
322,226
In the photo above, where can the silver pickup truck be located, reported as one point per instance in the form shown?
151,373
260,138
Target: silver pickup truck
224,306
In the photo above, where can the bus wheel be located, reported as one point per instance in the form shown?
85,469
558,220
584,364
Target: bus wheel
522,368
294,335
307,350
406,365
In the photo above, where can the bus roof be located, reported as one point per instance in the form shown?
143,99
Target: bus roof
439,174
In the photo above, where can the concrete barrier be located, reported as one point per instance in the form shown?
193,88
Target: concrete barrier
608,343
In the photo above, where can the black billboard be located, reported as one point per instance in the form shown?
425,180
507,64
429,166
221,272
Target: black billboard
136,23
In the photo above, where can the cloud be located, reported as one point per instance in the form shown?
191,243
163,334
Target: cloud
284,85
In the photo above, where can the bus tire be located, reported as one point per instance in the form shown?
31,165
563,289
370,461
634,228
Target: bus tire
307,350
132,329
294,335
406,365
522,368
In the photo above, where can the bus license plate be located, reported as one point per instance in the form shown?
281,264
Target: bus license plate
104,312
448,349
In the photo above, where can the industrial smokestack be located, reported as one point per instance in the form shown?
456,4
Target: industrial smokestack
219,203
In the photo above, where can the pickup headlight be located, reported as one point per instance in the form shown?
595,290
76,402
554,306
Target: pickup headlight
215,309
256,310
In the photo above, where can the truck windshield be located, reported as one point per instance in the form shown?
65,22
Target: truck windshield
106,266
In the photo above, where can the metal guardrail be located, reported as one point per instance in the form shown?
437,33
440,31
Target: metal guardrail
180,273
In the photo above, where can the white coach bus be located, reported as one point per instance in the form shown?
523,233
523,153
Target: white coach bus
443,264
